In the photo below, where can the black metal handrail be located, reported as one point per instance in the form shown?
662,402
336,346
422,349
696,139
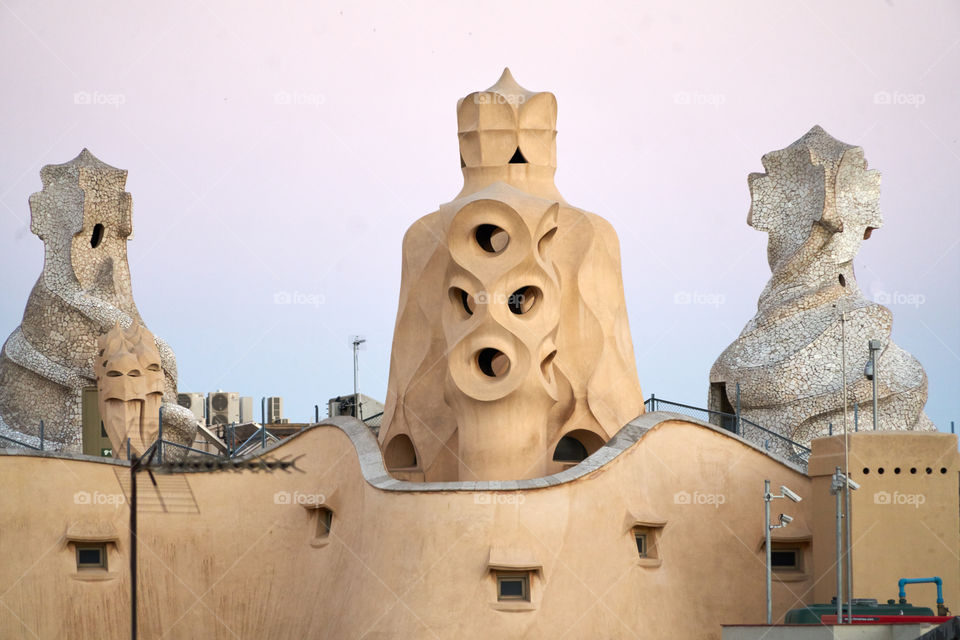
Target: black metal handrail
746,429
24,444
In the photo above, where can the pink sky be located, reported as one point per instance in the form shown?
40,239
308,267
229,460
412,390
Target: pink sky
286,147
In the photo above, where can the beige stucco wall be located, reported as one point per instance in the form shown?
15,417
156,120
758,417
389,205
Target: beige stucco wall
905,525
400,563
411,564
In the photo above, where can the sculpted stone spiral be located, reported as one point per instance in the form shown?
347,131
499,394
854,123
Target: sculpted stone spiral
817,202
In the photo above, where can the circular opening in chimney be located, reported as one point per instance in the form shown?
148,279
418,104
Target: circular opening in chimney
492,238
522,300
493,363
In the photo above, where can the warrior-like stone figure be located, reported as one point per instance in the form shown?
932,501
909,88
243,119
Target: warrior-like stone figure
130,385
512,353
83,216
818,202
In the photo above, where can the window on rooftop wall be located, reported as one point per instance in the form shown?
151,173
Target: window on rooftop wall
641,539
646,540
91,556
513,586
324,522
786,558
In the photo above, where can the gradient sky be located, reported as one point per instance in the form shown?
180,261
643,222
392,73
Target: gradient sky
286,147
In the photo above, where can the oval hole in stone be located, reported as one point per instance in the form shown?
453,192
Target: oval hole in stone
492,238
493,363
843,281
522,300
462,300
97,236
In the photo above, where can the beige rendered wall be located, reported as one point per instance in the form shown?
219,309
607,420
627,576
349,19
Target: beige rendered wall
905,525
402,564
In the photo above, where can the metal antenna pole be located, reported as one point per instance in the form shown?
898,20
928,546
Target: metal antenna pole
357,404
839,565
739,428
874,348
133,547
766,540
846,456
160,434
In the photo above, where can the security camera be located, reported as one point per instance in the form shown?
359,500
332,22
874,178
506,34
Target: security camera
790,494
785,519
853,485
868,370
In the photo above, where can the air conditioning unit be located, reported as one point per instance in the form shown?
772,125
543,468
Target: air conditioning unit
194,402
223,407
274,409
246,409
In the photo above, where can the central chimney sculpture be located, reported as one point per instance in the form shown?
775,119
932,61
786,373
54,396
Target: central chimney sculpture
512,355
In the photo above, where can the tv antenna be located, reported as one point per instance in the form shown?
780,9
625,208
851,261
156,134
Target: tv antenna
357,343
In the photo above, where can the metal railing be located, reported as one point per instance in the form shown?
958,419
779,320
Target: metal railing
24,444
229,438
737,424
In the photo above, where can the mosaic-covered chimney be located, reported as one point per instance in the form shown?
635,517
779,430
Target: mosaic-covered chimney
512,355
83,215
817,202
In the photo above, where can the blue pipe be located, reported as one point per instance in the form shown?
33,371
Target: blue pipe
905,581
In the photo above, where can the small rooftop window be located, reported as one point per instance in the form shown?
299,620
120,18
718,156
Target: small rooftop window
91,556
513,586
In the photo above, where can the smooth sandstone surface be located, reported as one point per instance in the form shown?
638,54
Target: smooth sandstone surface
512,328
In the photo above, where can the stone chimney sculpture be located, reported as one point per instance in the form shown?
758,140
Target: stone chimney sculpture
512,330
130,385
83,216
817,202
